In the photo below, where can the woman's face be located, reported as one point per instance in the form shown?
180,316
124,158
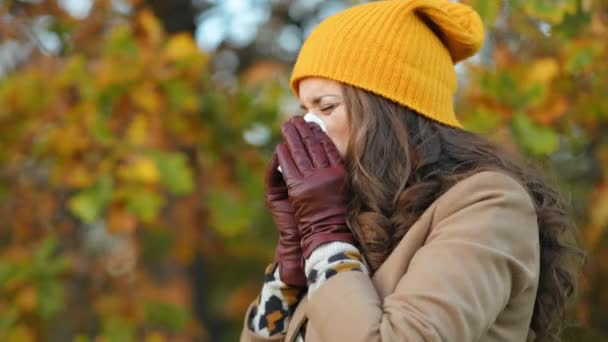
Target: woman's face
323,97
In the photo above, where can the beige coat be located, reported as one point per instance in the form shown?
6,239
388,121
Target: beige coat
467,270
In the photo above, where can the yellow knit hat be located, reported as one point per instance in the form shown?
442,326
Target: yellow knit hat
404,50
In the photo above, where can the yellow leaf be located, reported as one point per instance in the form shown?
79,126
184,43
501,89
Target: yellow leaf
155,336
151,27
107,304
147,98
137,131
110,72
598,26
599,208
593,234
181,46
543,71
20,333
78,176
67,140
140,170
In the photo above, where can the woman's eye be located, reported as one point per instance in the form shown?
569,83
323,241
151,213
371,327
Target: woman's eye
328,108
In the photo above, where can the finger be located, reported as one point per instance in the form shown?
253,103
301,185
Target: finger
274,161
296,147
311,142
290,170
331,151
273,177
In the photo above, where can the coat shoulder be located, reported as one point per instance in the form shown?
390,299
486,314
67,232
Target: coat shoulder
499,180
485,185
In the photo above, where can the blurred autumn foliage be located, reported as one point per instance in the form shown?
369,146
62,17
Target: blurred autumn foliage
131,177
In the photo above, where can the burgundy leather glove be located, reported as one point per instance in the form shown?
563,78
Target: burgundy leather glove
288,253
316,179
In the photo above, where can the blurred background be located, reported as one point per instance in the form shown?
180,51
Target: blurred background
134,135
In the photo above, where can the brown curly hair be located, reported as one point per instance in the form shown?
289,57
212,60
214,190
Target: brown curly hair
399,159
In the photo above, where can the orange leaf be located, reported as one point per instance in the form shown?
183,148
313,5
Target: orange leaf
553,109
120,220
27,299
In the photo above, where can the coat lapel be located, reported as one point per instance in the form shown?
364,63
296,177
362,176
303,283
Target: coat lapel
391,271
299,318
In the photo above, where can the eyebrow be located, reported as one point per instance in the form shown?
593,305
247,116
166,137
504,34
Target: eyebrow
316,100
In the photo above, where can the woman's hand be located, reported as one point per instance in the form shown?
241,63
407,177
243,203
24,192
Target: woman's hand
316,183
288,253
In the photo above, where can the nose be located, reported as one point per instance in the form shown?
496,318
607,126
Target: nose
311,117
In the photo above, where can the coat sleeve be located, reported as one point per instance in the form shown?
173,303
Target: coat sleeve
248,335
269,314
483,249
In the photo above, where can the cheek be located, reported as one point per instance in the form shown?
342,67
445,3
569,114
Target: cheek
337,129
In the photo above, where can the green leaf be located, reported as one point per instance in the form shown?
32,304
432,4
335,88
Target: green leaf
145,204
46,249
3,192
156,243
43,264
535,95
182,97
169,316
502,87
580,60
250,181
8,318
89,204
117,330
100,130
50,298
229,215
81,338
7,271
573,24
105,101
552,11
535,139
175,173
488,10
481,120
121,42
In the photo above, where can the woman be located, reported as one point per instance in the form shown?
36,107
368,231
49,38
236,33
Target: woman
397,225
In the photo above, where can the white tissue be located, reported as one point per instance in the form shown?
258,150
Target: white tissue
311,117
